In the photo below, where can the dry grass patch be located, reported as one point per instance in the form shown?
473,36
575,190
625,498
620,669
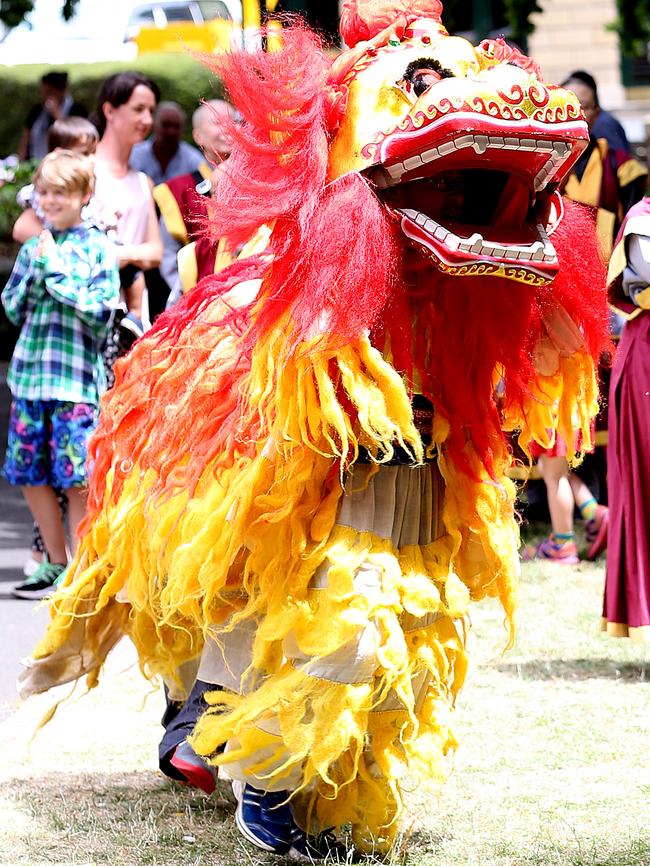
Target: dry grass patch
553,767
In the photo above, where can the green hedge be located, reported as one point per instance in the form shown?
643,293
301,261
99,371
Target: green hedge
10,210
180,78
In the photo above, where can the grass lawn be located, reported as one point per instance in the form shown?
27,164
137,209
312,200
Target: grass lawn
553,767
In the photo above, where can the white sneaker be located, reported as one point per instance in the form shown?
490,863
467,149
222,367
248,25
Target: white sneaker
30,566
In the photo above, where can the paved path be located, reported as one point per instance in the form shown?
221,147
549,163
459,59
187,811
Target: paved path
21,622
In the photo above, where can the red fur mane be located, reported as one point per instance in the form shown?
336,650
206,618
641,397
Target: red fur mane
339,267
322,234
340,264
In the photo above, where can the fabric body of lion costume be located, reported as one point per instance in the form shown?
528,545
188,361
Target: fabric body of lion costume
299,478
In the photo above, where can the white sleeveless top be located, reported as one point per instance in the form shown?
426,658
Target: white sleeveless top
123,204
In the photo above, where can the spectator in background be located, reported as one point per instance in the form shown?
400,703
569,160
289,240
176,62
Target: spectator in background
165,154
601,123
182,201
62,293
626,609
56,102
606,176
70,133
125,205
76,134
73,133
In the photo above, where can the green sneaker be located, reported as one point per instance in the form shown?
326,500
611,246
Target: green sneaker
60,578
42,582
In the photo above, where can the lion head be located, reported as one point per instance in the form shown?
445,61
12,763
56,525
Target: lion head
465,145
410,160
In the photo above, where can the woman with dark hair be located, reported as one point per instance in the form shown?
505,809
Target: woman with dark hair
124,117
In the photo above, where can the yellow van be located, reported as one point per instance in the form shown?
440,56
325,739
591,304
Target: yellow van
179,25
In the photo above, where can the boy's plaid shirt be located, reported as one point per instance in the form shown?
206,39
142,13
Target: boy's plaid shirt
64,305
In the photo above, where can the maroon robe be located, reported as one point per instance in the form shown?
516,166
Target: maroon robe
626,610
183,206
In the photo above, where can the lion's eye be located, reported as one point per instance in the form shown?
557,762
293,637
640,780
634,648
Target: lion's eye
421,74
423,79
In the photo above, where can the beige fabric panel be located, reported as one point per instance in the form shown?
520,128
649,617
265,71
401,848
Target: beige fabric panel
227,657
398,503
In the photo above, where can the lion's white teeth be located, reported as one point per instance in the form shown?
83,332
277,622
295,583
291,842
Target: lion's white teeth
540,250
555,151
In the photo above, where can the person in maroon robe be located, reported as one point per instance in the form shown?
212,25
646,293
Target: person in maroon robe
626,610
183,200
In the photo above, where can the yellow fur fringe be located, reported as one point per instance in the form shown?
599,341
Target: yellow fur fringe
169,569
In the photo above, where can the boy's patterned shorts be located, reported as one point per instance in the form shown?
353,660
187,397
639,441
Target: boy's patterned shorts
48,442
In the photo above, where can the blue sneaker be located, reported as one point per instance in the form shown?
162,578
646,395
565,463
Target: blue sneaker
265,818
129,329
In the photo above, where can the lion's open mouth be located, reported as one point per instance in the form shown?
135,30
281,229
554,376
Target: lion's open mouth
479,200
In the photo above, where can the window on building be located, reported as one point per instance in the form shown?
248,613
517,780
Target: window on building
636,70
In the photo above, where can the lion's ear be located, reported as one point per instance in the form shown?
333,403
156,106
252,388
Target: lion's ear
499,51
363,19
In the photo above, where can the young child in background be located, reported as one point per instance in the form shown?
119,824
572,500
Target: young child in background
79,135
70,133
62,293
566,491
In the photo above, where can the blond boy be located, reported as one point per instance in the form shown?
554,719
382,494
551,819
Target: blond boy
62,293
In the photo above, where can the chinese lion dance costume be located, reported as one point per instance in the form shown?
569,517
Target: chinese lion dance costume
300,477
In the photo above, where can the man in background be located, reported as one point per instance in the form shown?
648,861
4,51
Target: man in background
165,154
182,201
606,177
601,123
56,102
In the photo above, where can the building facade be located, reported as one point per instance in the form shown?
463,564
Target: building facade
577,34
568,35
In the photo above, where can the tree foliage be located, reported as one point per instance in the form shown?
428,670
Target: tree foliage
511,15
518,14
13,12
633,26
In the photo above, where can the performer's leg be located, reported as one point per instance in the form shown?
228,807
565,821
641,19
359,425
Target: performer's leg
382,514
265,813
176,758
